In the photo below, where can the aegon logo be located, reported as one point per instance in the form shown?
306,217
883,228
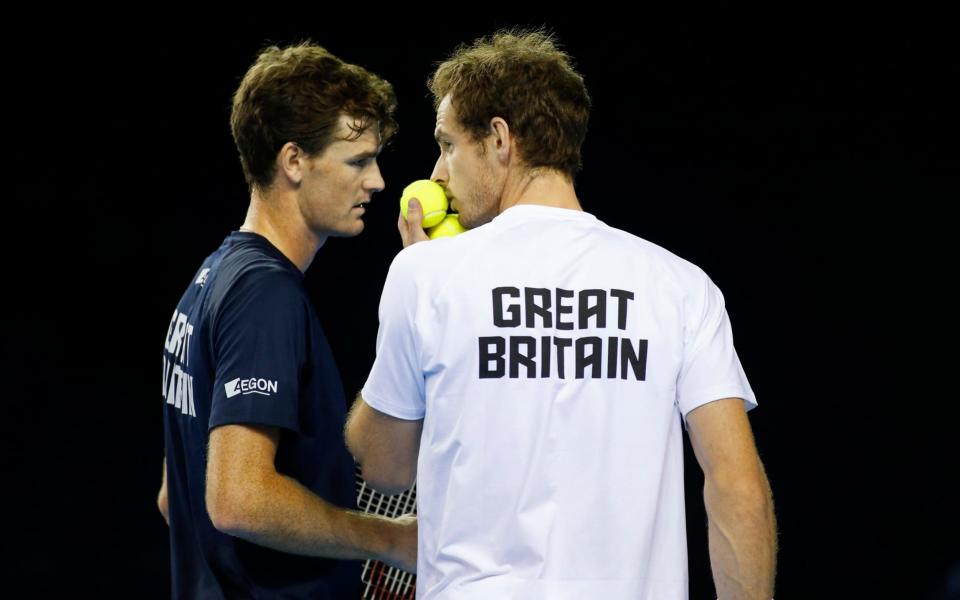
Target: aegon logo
250,386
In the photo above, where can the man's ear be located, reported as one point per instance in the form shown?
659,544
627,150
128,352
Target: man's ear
501,140
291,162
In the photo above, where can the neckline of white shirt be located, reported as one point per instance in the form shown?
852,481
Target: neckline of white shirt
523,210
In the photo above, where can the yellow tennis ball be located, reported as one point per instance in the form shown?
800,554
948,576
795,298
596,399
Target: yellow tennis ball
432,200
448,227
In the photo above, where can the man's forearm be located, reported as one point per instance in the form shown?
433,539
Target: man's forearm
386,447
743,542
284,515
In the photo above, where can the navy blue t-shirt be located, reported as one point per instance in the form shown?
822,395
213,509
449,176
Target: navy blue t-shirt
245,347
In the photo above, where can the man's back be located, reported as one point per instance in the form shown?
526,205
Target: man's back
556,355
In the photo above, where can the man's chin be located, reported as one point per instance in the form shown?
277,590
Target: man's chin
472,221
353,230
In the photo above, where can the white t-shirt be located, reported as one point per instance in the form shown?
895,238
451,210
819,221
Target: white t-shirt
551,358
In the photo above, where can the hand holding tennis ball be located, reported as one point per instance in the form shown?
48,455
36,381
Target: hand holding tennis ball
433,221
432,200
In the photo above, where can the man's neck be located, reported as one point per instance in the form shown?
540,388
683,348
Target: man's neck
275,216
545,187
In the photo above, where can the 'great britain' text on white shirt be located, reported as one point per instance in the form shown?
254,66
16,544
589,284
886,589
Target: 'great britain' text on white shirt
531,357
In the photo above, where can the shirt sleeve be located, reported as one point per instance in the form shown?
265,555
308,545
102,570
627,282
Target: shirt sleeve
711,369
396,384
259,349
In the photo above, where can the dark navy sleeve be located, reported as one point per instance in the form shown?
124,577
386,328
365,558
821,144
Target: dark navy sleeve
258,350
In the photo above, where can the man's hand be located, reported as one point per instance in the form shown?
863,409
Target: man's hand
404,552
411,229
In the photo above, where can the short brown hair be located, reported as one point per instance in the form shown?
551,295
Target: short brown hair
297,94
523,77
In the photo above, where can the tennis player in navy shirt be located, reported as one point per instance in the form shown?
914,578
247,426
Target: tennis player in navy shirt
257,484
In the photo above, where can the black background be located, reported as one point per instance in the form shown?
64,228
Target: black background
799,161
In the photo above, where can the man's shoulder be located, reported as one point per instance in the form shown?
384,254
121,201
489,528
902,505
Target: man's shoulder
652,252
255,255
253,262
249,273
437,254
